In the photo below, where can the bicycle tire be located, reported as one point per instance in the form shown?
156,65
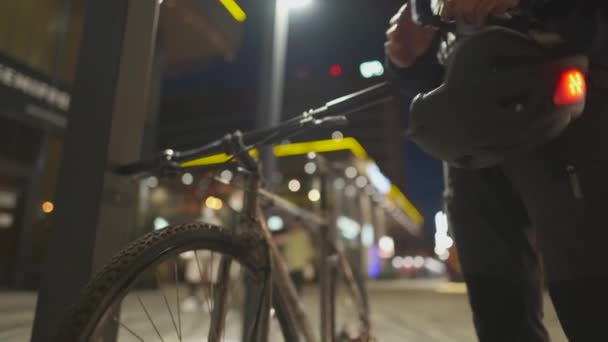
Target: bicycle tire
115,278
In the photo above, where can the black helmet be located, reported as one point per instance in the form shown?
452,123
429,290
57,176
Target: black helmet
504,93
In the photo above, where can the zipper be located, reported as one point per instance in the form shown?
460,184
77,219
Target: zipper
575,183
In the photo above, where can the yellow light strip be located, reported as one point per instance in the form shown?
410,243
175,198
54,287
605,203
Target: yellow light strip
320,146
452,288
214,159
396,195
235,10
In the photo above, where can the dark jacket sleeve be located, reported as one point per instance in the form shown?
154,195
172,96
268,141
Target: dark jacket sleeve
425,75
583,23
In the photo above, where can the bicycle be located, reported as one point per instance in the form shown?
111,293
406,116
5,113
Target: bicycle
269,308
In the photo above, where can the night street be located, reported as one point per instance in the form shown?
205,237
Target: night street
402,311
198,163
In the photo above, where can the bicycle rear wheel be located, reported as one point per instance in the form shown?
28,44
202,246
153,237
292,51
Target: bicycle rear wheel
143,294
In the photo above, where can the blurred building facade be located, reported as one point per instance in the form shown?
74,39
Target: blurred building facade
39,45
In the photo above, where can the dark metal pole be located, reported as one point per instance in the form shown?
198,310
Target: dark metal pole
105,124
272,73
327,268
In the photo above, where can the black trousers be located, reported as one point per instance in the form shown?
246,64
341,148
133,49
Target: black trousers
541,217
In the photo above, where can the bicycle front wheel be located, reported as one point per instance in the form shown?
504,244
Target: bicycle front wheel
177,284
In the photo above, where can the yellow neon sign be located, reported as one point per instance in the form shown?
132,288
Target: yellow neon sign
404,203
319,146
235,10
219,158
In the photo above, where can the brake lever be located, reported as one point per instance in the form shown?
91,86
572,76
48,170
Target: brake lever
334,120
162,165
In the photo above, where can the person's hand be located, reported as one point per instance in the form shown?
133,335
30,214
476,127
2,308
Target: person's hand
475,12
405,40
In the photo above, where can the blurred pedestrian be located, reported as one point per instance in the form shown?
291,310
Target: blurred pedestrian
298,250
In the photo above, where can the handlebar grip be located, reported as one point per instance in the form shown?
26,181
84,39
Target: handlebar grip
423,15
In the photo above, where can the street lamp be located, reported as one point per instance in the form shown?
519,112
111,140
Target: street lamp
270,112
294,4
279,53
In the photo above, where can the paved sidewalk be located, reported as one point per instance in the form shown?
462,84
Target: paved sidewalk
402,311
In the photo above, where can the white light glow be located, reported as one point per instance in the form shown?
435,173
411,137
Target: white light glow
311,155
444,256
337,135
314,195
310,168
441,222
339,183
160,223
378,179
408,262
418,261
361,181
367,235
187,178
294,185
350,191
350,228
226,175
152,182
434,265
397,262
371,69
295,4
6,220
8,199
350,172
443,242
387,246
275,223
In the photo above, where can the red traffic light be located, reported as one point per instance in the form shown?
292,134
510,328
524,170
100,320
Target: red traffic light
335,70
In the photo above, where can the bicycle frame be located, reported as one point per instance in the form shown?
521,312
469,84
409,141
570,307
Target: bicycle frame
330,257
236,147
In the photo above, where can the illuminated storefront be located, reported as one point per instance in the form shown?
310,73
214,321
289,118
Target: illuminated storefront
39,43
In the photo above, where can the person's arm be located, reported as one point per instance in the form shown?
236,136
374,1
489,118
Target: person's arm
411,52
425,75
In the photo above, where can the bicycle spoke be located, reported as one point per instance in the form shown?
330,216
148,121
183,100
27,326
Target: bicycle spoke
211,289
200,272
149,318
128,329
230,301
167,304
179,310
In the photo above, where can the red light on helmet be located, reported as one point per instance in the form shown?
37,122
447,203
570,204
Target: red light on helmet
571,88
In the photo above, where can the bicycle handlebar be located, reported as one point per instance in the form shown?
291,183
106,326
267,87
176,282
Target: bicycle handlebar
334,111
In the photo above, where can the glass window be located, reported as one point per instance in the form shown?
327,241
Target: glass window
45,35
